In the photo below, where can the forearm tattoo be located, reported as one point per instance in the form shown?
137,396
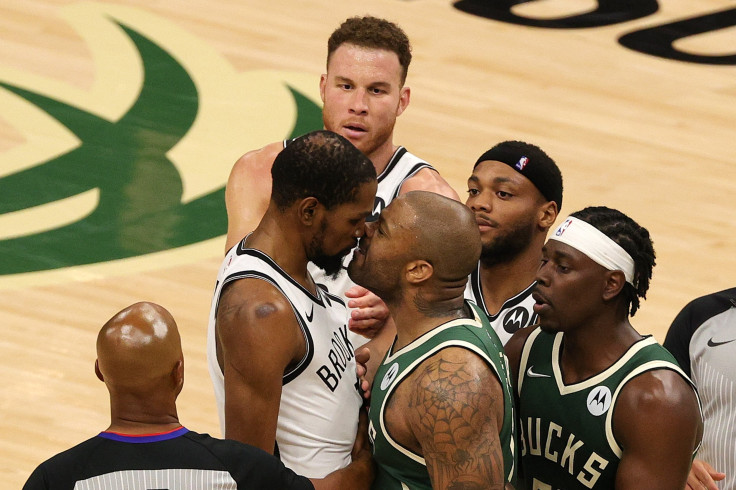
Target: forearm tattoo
456,426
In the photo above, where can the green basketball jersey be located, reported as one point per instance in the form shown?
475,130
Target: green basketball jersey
398,467
567,439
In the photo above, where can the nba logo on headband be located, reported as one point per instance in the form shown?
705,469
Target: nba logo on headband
521,163
563,227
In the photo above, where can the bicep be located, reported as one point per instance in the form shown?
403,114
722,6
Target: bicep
258,338
455,410
657,422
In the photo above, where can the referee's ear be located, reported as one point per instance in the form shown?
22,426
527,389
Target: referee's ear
178,376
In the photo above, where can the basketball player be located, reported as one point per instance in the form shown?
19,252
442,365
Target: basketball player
600,406
139,358
515,191
441,412
363,93
278,352
703,340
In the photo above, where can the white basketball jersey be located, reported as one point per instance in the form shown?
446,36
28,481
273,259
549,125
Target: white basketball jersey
402,166
517,312
318,415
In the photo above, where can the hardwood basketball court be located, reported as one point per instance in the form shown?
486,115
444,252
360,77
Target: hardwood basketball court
649,135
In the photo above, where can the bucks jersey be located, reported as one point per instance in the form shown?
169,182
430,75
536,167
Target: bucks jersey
318,414
402,166
567,439
398,467
517,312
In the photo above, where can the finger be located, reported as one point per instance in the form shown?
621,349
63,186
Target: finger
356,292
362,355
377,313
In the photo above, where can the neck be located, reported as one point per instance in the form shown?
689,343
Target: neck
413,320
503,280
593,348
275,236
132,417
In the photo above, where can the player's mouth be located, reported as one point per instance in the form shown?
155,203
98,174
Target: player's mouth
354,130
541,302
485,223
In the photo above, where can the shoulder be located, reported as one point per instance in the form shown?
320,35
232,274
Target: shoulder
656,398
656,389
454,371
256,161
428,179
63,466
253,312
253,298
249,464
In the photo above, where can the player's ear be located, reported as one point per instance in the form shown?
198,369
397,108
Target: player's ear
98,372
322,85
547,215
418,271
404,98
309,210
615,282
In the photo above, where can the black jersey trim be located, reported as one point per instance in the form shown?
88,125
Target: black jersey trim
477,288
400,152
243,250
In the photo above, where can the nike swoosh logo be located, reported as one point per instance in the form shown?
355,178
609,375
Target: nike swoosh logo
532,374
310,315
713,343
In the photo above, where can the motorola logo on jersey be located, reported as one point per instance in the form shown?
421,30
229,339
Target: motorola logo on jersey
390,376
599,400
516,319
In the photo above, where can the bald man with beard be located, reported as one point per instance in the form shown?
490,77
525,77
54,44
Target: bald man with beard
441,412
140,360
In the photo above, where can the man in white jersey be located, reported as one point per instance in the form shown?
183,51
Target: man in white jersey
703,340
279,355
363,93
515,191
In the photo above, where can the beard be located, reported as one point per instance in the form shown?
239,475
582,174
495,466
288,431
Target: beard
507,246
331,264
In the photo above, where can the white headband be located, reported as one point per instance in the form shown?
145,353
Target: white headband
596,245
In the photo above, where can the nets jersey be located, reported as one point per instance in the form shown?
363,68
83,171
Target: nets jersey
398,467
402,166
318,415
177,460
567,439
517,312
703,340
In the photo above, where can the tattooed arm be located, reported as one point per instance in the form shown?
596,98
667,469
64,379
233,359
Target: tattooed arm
455,412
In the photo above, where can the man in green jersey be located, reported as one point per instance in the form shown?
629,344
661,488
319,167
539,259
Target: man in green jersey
600,405
441,410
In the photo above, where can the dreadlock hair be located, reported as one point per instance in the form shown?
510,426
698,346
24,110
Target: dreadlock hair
631,237
373,33
320,164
